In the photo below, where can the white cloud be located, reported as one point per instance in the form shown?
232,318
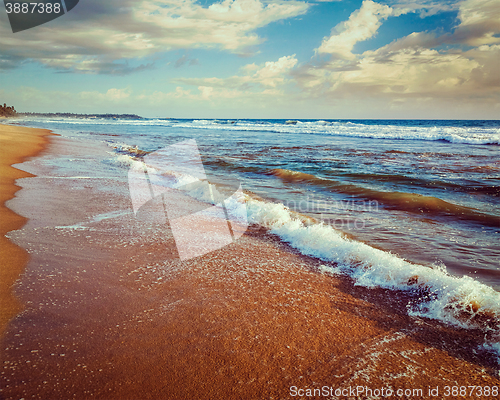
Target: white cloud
98,36
362,25
228,24
269,75
258,87
272,74
417,69
424,7
479,19
479,23
414,40
423,70
409,71
34,99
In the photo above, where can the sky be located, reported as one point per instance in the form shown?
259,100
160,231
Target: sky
337,59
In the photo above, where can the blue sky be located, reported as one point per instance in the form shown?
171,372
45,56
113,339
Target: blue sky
259,59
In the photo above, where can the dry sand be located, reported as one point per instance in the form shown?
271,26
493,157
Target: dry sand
17,144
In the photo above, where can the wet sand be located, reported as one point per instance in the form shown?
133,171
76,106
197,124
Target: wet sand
17,144
111,313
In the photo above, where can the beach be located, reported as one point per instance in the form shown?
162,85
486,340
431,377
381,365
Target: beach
18,144
105,309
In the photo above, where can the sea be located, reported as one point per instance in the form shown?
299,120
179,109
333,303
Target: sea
404,205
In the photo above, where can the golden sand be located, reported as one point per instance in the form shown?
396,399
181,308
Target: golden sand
17,144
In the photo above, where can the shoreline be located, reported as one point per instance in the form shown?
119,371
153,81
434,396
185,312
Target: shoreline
112,313
18,144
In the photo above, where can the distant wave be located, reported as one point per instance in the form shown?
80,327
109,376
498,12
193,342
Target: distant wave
472,134
452,134
133,151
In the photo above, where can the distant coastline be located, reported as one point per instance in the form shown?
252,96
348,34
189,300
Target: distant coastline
82,116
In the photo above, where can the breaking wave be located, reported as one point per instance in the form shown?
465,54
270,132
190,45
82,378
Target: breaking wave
466,132
459,301
473,135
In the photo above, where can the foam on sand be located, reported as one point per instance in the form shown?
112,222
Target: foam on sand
450,299
460,301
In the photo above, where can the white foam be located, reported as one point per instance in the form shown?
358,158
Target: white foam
125,160
493,347
450,299
452,134
444,297
95,219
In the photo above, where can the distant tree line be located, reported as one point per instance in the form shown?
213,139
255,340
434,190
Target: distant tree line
7,111
86,116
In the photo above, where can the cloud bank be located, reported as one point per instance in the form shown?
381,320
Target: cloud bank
100,36
426,70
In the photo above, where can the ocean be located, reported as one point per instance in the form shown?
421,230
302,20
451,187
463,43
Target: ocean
407,206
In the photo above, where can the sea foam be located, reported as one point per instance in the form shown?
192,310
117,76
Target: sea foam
451,134
457,301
